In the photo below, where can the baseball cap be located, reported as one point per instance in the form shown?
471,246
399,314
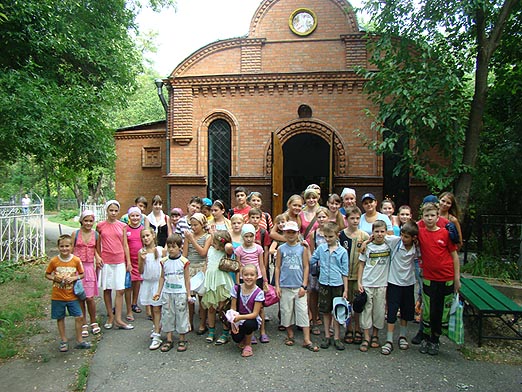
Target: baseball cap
291,226
368,196
430,199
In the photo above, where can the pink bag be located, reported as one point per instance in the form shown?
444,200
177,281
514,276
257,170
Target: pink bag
271,296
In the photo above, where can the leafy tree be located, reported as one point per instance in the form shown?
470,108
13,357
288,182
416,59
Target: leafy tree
65,67
441,42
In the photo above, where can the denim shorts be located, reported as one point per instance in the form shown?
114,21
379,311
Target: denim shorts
58,309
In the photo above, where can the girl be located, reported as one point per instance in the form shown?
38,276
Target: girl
307,215
115,260
251,253
349,199
220,222
371,214
449,209
236,222
280,221
388,208
255,201
195,248
247,299
149,266
404,214
334,204
294,207
159,222
133,234
87,248
217,284
316,239
175,215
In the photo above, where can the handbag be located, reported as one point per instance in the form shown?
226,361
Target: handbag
226,264
79,291
270,296
456,321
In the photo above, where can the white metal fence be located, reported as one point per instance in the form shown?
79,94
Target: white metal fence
99,211
22,232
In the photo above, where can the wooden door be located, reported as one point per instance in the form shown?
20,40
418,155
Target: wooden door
277,176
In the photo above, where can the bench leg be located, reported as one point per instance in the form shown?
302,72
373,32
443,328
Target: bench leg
480,330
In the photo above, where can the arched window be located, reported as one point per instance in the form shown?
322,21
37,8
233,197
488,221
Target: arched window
219,161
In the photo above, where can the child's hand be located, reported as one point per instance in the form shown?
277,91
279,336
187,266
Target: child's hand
305,244
360,287
156,297
345,294
301,292
278,292
265,286
189,236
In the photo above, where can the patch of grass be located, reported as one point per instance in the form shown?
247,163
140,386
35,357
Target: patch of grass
24,296
82,376
66,218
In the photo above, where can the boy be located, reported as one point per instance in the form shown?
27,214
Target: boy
241,203
373,279
193,206
441,278
262,237
291,280
174,287
63,270
333,280
352,238
401,284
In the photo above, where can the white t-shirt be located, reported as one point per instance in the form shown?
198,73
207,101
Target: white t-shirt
402,265
376,265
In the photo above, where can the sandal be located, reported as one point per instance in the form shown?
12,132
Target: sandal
316,330
375,342
129,318
95,328
247,352
348,337
167,346
325,343
223,339
182,346
281,328
387,348
338,344
136,309
64,347
311,347
210,336
403,343
358,338
85,331
364,346
289,341
203,331
264,338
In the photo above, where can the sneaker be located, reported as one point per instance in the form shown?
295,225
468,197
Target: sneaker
417,339
155,344
423,349
433,348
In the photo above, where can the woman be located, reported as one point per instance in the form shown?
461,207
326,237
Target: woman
449,209
159,222
308,214
369,203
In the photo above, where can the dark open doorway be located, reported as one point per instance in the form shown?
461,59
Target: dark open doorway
306,160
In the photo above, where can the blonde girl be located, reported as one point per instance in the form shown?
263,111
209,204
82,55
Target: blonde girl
195,248
236,222
87,248
220,222
217,284
334,203
133,234
294,207
115,260
307,215
149,266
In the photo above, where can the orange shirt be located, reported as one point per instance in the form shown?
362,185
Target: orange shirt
63,269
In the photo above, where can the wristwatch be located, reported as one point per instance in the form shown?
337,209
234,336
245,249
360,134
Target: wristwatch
304,287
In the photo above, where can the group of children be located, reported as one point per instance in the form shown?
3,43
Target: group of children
320,255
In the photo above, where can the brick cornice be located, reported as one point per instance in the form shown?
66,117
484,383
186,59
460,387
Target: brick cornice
147,134
173,179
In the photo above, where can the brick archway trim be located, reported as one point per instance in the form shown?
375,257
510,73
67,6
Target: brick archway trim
315,127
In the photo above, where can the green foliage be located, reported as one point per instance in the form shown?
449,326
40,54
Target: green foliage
8,271
491,266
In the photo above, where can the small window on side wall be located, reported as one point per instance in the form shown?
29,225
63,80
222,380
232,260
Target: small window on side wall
151,157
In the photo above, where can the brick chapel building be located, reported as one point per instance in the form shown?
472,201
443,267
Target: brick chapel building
272,111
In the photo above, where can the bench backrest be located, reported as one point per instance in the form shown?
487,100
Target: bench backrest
486,298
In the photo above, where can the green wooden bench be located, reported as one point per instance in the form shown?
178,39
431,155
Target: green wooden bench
485,301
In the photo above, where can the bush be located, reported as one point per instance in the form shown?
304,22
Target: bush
493,267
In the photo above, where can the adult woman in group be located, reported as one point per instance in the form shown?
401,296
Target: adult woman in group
308,219
449,209
159,222
348,197
369,203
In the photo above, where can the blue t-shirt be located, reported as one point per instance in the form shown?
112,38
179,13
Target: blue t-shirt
367,227
291,274
334,265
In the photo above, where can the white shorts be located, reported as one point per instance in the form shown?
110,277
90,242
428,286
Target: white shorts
174,313
294,310
373,312
112,276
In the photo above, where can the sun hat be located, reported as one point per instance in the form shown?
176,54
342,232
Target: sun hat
368,196
197,283
341,310
291,226
359,301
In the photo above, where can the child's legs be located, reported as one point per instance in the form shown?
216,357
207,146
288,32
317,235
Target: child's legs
262,315
286,303
136,285
84,313
181,317
91,308
168,317
366,315
313,305
128,301
156,318
378,310
61,329
118,305
75,310
441,295
202,314
393,299
245,332
78,322
407,307
211,317
301,316
107,299
192,309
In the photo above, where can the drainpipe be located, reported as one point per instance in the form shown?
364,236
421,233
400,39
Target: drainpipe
159,85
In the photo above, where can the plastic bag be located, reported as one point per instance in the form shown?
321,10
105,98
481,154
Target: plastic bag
79,290
456,321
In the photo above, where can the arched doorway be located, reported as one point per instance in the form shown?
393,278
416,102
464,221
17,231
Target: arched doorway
306,160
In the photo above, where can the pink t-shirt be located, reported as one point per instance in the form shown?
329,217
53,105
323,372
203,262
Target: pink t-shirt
250,256
111,236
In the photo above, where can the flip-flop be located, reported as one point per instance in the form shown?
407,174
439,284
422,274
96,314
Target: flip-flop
289,341
364,346
311,347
